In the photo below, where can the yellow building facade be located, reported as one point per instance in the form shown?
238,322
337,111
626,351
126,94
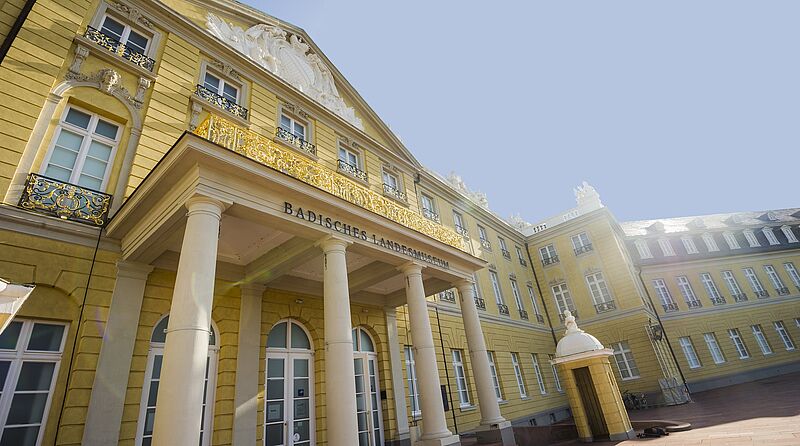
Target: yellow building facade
228,246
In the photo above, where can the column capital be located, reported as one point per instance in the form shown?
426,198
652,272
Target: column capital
464,284
201,204
411,268
134,270
252,288
330,243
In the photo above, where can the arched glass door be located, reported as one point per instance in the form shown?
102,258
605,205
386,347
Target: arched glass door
368,400
289,414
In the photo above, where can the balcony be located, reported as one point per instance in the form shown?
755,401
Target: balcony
463,231
740,297
221,102
523,262
503,309
549,260
584,249
670,307
694,304
563,318
296,141
431,215
119,49
782,291
761,294
486,244
394,193
352,170
718,300
539,318
480,303
64,200
523,314
448,296
506,254
602,307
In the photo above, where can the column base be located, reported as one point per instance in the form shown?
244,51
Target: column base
452,440
630,435
501,432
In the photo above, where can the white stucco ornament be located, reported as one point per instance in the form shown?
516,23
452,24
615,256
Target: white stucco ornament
587,197
575,340
288,57
458,184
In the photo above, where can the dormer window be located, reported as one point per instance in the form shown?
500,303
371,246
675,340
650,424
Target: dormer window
644,250
751,238
730,239
688,244
770,236
666,247
711,243
787,231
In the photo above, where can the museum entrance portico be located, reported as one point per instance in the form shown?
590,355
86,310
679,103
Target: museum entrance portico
210,214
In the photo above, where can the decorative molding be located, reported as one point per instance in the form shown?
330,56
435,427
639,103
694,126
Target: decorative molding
288,57
347,142
109,81
133,14
81,53
455,181
226,69
144,84
296,109
197,108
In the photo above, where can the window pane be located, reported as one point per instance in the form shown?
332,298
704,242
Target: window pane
112,28
137,42
160,331
27,408
4,366
274,435
274,368
106,129
78,118
299,338
212,82
301,368
299,131
46,337
69,141
277,337
62,161
366,342
35,376
90,182
8,339
230,92
275,389
286,123
20,436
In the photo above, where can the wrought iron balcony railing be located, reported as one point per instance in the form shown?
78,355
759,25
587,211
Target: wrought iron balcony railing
463,231
119,49
694,304
295,140
480,303
718,300
761,294
539,318
503,309
523,314
65,200
563,318
486,244
523,262
669,307
584,249
220,101
602,307
352,170
448,296
394,193
431,215
506,254
740,297
782,291
549,260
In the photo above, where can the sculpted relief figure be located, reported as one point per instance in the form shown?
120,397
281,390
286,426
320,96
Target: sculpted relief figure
288,57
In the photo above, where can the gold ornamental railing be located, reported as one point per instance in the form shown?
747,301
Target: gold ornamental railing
262,150
65,200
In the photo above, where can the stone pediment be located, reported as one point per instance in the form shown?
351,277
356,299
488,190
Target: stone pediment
287,56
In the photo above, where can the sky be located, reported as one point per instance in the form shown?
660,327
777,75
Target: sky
668,108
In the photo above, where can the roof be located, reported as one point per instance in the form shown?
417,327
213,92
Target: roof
711,222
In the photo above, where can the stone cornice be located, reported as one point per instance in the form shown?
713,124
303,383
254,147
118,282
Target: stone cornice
15,219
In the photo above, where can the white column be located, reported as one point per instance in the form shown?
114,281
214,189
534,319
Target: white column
434,424
245,418
180,392
487,398
340,385
398,385
107,402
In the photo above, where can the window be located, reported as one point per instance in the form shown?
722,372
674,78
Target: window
152,377
84,148
503,245
124,34
598,288
296,128
538,371
787,340
517,297
770,236
520,256
711,244
644,250
563,299
548,254
482,234
761,340
738,343
776,281
533,299
732,284
221,87
391,180
755,284
581,243
713,348
411,377
688,244
349,157
30,357
730,239
688,351
687,292
556,379
666,247
498,293
497,390
518,373
461,378
711,288
625,363
664,295
750,236
787,231
428,207
458,219
793,274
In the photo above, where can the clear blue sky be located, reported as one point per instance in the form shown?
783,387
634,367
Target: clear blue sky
668,108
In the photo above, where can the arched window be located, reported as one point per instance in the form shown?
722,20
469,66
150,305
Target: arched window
368,401
289,414
152,377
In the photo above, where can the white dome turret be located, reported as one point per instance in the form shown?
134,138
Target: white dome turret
575,340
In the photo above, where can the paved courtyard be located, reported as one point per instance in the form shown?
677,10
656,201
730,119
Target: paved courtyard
765,412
